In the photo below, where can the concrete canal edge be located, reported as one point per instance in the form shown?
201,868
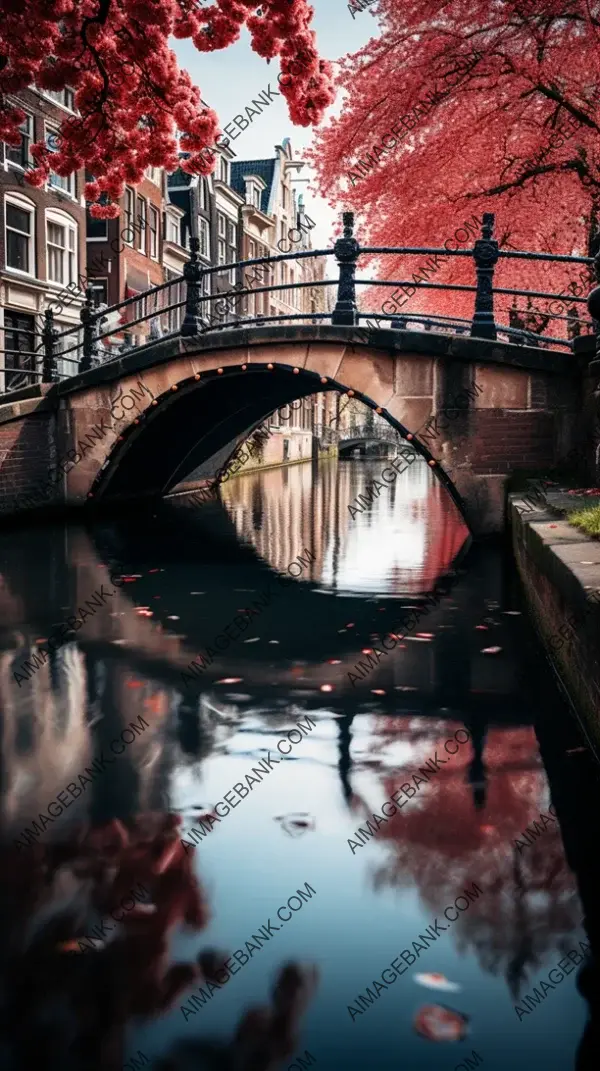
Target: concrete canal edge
559,567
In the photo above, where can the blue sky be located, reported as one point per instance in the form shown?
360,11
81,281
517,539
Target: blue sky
230,79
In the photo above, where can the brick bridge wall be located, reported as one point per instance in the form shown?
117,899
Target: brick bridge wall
123,429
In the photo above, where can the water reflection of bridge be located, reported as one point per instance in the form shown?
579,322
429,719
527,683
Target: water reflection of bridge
128,659
467,821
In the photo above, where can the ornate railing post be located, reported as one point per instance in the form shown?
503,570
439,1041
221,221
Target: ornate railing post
88,322
346,253
594,304
193,323
485,255
49,334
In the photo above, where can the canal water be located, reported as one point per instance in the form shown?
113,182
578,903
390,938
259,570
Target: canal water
267,805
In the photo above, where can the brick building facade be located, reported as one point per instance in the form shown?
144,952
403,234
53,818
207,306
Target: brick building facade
125,255
42,243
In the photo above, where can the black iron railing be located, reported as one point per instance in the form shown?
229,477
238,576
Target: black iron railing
184,307
368,431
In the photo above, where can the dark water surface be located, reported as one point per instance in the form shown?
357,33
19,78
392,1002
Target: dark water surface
296,694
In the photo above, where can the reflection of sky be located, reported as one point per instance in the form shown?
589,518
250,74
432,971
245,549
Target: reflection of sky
385,537
353,927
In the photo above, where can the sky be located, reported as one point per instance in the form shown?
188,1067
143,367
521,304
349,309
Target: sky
228,80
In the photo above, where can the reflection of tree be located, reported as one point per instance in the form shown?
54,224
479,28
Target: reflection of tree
67,1005
442,843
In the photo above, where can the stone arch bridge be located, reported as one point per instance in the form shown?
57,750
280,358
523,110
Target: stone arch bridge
133,429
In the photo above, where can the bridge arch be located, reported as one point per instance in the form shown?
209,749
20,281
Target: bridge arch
135,426
163,444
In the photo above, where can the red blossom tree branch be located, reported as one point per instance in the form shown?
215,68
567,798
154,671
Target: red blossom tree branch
136,108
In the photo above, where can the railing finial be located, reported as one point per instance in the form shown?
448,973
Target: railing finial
193,323
485,255
347,251
88,320
49,333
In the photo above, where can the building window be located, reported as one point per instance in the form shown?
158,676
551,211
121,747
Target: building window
231,248
64,97
96,229
19,339
142,219
204,237
100,290
61,238
18,155
257,196
224,169
66,183
173,230
153,174
203,194
153,233
20,228
129,216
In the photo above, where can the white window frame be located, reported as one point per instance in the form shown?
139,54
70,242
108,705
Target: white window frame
173,224
153,215
63,219
142,217
231,246
70,191
153,174
59,104
25,205
31,136
204,236
203,193
224,169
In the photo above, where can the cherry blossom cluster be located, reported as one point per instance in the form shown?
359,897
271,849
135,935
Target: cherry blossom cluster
135,108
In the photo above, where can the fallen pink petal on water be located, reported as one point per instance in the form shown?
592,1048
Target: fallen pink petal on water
491,650
437,981
229,680
297,823
438,1023
326,688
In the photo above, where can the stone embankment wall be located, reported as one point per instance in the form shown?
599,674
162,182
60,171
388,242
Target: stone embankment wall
560,570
